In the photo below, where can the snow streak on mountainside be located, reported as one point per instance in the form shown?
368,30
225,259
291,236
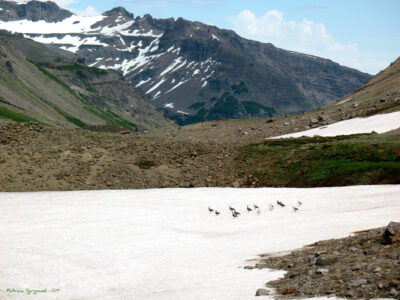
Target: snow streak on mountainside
204,71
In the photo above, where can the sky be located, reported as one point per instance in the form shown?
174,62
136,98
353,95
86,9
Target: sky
362,34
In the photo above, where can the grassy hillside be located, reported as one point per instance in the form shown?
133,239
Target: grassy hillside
323,161
40,84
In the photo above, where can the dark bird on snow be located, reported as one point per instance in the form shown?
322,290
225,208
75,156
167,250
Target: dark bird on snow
255,206
295,208
299,203
280,203
249,209
231,208
210,209
217,212
235,214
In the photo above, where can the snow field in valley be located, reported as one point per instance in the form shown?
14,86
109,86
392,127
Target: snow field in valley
164,243
379,123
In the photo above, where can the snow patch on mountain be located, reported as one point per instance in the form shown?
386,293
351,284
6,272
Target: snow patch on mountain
171,67
73,24
169,105
158,94
156,85
69,42
112,30
143,82
177,85
378,123
138,32
214,37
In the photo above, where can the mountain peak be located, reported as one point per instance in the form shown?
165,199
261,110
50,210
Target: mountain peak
32,11
118,11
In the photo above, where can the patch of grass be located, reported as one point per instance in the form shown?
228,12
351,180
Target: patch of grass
117,120
322,161
66,115
346,172
111,118
12,115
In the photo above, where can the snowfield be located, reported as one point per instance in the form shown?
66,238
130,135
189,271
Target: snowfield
378,123
164,243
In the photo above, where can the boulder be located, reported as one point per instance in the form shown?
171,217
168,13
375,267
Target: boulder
357,282
323,118
392,233
262,292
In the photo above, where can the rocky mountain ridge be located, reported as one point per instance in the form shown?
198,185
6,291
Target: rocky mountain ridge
194,72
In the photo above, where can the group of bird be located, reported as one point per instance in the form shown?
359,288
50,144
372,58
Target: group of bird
255,208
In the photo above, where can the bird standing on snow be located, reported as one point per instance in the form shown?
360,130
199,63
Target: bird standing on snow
280,203
299,203
249,209
210,209
216,212
271,207
231,208
235,214
255,206
295,208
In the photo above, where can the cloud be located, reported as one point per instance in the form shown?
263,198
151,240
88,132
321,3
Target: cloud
89,11
305,37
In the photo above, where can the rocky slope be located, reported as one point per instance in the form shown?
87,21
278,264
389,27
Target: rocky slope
46,84
217,153
194,71
359,266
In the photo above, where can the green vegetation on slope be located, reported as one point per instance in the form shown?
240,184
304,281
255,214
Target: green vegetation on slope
53,77
329,161
108,116
12,115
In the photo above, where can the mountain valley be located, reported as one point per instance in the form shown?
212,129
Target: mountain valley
192,71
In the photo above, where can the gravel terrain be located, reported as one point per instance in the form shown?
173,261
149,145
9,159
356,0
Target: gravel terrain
359,266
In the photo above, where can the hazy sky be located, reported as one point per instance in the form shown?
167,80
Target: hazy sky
363,34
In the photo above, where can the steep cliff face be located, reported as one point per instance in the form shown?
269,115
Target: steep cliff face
193,71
